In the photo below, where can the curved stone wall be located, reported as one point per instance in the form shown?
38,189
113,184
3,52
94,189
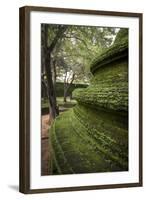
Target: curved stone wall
93,136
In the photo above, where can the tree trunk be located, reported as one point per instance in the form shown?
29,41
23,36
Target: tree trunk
67,87
51,91
46,60
54,72
65,96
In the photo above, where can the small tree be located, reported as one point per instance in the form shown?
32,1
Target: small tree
47,51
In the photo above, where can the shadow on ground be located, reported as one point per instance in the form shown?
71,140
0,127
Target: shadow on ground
14,187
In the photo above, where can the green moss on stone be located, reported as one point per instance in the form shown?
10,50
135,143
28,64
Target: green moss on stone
93,136
119,50
121,36
85,149
108,89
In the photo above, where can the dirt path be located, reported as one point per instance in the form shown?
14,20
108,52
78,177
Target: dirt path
45,146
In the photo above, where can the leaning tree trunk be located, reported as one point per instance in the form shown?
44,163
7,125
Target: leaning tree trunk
54,74
51,90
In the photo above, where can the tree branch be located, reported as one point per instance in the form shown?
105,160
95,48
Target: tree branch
80,40
58,36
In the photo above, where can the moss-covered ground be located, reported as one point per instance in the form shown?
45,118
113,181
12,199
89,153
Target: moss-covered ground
83,142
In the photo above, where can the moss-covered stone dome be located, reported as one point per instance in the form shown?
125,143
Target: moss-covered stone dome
93,136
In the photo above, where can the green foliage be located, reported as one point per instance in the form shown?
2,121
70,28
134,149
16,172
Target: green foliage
60,88
60,102
76,48
68,104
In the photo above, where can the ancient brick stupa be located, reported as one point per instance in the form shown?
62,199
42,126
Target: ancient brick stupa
93,136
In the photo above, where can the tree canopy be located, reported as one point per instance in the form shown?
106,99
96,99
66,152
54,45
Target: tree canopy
77,47
67,51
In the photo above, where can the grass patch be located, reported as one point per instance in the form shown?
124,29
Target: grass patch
60,101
